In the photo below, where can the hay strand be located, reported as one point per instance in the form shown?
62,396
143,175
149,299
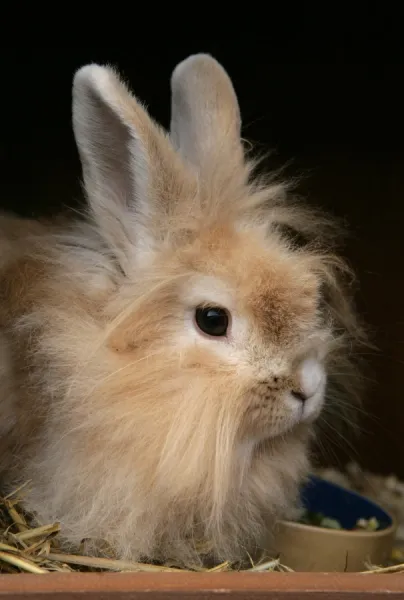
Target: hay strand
45,530
21,563
106,563
384,570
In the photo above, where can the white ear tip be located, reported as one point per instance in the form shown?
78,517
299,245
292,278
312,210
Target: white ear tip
88,73
93,76
194,62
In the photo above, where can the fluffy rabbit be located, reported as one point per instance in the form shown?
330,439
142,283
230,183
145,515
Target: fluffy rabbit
164,360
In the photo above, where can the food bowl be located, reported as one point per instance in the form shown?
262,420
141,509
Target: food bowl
312,548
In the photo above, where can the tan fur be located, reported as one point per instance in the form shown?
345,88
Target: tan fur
133,427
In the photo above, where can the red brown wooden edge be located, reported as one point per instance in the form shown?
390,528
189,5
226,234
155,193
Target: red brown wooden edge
164,586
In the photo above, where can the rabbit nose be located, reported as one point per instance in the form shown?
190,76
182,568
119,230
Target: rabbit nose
298,395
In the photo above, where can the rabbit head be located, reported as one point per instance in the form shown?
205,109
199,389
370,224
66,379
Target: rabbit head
208,282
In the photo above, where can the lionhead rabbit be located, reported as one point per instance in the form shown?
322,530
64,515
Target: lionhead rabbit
164,360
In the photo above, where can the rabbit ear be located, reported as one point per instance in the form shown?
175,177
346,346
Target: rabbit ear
131,171
205,120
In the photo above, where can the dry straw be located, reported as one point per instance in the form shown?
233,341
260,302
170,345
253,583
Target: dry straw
25,547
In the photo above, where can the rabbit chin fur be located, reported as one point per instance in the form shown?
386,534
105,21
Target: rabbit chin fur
132,426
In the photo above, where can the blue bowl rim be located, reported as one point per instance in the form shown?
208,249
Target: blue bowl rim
346,532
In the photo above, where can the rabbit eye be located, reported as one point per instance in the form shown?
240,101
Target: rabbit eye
212,321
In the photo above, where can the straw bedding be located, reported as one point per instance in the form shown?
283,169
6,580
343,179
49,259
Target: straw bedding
26,546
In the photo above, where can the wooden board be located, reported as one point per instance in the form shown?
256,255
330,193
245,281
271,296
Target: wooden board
164,586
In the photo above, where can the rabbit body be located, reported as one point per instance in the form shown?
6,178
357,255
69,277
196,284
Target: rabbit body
164,360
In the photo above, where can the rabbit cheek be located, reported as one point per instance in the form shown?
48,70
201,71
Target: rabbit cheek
268,418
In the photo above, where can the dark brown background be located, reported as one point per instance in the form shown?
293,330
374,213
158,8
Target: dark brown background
325,93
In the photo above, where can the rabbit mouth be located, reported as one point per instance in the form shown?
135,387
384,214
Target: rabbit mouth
259,422
278,416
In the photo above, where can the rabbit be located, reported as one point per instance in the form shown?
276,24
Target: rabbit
167,355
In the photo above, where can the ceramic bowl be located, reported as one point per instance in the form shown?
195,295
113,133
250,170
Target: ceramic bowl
309,548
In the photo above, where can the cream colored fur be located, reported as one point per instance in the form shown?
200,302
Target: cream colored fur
131,425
